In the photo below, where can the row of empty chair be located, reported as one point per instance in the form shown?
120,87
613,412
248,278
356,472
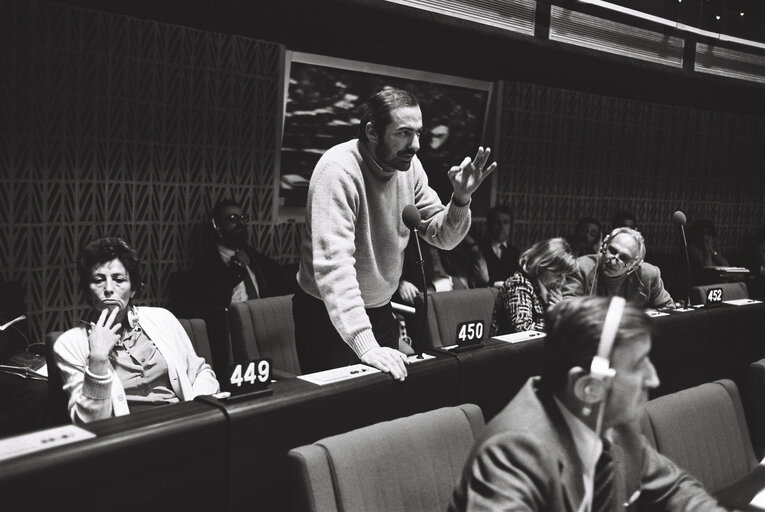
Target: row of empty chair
413,463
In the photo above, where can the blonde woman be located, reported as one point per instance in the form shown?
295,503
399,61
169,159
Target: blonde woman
526,294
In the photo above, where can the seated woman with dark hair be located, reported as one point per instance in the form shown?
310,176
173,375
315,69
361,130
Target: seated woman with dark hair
526,295
125,358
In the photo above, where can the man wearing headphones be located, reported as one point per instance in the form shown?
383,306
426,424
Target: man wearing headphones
619,270
228,270
570,440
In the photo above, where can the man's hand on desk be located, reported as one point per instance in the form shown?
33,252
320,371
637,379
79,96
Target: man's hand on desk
387,360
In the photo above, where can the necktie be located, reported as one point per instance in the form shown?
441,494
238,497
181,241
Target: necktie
249,286
603,489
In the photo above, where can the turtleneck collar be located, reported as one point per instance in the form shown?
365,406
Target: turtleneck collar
374,168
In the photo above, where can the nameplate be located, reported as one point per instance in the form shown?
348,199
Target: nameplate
519,337
246,377
470,333
742,302
714,296
325,377
42,440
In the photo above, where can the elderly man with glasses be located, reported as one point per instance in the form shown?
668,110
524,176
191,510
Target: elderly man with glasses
619,269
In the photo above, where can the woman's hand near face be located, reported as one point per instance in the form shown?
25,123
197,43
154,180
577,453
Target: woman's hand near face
554,296
101,340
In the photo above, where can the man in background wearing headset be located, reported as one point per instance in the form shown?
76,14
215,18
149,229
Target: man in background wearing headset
619,270
570,440
228,270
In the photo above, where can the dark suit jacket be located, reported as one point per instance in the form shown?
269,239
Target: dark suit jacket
644,285
526,460
216,281
499,269
210,287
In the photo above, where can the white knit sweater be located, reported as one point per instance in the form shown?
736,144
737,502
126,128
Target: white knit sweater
352,251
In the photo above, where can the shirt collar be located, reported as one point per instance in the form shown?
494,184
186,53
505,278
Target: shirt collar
225,253
588,444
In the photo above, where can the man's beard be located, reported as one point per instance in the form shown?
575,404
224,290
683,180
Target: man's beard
398,162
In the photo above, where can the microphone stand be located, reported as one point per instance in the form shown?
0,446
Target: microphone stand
687,268
421,263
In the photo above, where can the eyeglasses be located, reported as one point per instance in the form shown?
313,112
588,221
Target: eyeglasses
614,254
236,218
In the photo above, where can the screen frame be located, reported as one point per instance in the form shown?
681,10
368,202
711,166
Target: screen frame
297,213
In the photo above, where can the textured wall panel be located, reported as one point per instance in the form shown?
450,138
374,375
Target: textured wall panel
111,125
570,154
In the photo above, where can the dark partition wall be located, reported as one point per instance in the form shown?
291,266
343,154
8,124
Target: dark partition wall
111,125
568,154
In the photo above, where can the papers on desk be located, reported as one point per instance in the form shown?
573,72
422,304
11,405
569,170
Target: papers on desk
729,270
518,337
759,500
42,440
742,302
654,313
339,374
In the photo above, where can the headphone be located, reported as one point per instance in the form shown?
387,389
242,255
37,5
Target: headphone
215,226
591,389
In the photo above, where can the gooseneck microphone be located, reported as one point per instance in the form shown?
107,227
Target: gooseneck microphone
411,217
679,219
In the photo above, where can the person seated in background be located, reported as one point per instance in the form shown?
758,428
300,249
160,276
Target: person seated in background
228,270
619,269
444,270
703,249
500,256
125,358
437,278
624,219
586,237
570,440
755,254
526,294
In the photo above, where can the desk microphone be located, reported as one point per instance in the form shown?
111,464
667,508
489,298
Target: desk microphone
679,219
411,217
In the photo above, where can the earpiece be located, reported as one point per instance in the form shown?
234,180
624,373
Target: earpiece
215,226
591,389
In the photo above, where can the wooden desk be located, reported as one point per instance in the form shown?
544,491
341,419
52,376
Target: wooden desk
738,495
264,430
232,456
694,347
171,458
